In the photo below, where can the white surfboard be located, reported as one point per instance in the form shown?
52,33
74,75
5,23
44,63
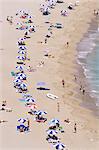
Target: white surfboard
51,96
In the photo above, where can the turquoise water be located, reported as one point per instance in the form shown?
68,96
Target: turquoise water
88,57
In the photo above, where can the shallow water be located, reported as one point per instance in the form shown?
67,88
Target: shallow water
88,57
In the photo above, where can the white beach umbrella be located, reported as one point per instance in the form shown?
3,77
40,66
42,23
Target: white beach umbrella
21,68
59,146
22,47
52,124
30,100
21,57
19,78
54,121
17,81
21,75
23,86
39,112
21,52
22,120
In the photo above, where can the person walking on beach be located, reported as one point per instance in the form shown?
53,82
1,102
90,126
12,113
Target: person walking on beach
58,107
75,128
63,83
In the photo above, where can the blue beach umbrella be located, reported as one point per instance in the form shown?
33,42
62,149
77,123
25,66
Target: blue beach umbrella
52,132
22,47
21,57
22,52
22,120
19,78
21,75
23,86
20,68
39,112
54,121
30,100
17,81
59,146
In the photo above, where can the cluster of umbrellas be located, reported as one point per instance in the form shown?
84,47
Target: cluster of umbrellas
45,8
52,134
26,24
20,76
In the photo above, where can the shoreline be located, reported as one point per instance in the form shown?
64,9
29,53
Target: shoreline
88,101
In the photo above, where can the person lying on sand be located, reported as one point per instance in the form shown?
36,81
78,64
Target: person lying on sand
41,64
49,55
67,120
1,121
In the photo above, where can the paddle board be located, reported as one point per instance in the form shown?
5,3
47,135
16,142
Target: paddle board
51,96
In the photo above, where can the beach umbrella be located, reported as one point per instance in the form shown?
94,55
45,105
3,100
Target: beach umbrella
21,57
21,75
19,78
52,132
21,120
22,52
59,146
23,85
52,124
20,68
30,100
54,121
26,96
17,81
39,112
22,47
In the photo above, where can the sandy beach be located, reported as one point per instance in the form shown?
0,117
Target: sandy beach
62,66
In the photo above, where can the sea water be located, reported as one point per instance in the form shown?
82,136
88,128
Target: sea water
88,57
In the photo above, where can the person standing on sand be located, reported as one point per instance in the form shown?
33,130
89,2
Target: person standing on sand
28,123
67,44
75,128
63,83
45,40
75,77
83,91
